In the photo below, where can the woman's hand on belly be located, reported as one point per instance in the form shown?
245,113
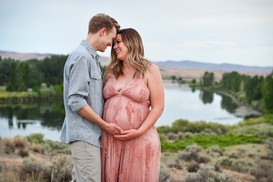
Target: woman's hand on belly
128,134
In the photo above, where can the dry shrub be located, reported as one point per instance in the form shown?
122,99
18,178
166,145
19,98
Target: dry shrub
217,168
205,173
171,136
263,172
34,170
203,158
269,148
225,162
208,132
56,147
242,165
191,153
9,176
62,168
175,164
20,142
9,171
9,145
215,151
180,135
234,155
18,145
37,148
188,135
165,174
239,165
193,167
251,155
23,152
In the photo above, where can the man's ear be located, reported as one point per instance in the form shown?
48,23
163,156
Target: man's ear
102,31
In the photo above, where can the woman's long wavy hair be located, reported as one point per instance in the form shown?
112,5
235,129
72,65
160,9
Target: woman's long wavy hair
132,40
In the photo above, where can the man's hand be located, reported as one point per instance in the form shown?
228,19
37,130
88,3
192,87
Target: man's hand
128,135
112,129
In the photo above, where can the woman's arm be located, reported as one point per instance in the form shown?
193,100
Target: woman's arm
155,85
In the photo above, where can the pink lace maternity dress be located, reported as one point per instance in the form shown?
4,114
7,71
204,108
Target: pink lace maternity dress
135,160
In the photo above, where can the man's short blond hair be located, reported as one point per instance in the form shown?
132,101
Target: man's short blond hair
100,21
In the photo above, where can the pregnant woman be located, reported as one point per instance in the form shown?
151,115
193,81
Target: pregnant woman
134,95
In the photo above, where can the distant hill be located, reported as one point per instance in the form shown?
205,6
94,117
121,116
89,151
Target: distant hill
26,56
213,67
22,56
190,65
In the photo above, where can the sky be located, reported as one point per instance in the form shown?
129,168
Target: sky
212,31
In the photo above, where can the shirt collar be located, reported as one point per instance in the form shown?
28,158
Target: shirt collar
90,49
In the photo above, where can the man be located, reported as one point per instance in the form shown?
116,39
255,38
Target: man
83,99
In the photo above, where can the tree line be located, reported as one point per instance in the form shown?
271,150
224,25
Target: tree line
253,89
21,75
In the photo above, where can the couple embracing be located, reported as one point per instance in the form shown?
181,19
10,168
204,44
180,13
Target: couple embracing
109,120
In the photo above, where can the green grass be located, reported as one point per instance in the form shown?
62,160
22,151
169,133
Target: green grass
267,118
2,88
182,125
27,96
221,141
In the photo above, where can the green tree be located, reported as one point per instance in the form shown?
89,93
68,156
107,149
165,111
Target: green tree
52,69
12,77
232,81
4,70
267,92
36,77
173,77
253,88
193,81
180,80
23,76
208,79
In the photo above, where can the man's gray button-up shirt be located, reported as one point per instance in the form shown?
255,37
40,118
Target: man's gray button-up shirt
82,85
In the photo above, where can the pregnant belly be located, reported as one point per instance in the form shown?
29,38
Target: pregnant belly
125,113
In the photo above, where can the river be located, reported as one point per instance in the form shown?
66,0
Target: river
181,102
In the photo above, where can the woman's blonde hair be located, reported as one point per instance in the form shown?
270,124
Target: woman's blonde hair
132,40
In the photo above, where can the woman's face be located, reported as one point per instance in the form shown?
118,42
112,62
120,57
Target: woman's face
120,49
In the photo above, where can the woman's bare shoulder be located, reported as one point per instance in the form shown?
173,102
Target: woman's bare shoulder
153,69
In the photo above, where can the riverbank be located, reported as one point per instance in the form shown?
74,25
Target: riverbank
43,95
190,151
245,109
242,111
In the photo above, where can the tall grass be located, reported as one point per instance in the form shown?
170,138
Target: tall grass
182,125
209,141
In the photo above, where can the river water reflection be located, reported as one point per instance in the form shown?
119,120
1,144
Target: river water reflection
181,101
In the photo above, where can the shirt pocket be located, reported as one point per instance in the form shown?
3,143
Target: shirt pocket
95,83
